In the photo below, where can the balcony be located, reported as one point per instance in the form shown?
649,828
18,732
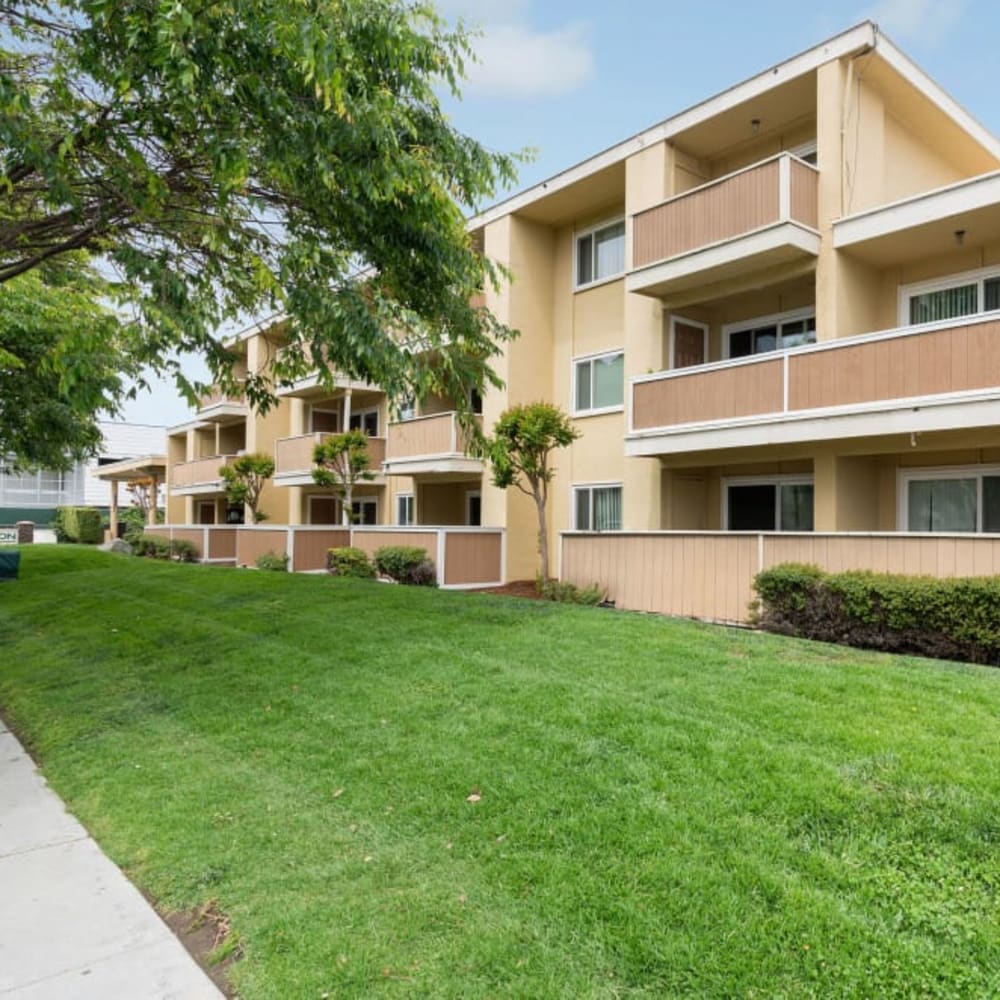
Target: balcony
293,458
222,407
939,376
434,445
312,386
760,219
199,476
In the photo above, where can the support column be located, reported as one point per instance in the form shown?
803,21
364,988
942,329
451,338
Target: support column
153,490
113,510
649,178
347,410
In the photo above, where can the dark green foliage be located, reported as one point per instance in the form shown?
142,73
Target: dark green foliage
158,547
405,564
78,524
349,561
957,619
274,561
569,593
134,519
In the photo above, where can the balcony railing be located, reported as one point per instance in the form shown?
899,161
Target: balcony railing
215,396
200,472
294,455
943,361
424,437
781,189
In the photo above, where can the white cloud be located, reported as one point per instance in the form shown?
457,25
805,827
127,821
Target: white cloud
919,20
516,61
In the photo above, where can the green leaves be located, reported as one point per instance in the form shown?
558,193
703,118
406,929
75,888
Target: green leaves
243,481
239,158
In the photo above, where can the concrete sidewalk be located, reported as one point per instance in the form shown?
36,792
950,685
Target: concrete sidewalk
72,926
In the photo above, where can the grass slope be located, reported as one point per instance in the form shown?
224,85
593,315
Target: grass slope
667,809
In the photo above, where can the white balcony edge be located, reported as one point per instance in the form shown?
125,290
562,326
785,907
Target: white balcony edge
713,255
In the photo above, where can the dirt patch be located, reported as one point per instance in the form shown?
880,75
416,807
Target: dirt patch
516,588
203,931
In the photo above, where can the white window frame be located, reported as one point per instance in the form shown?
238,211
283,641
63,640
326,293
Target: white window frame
361,414
977,277
905,476
588,359
610,484
580,234
773,319
363,500
413,509
674,320
779,479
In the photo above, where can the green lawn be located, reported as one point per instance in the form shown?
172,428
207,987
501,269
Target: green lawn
667,809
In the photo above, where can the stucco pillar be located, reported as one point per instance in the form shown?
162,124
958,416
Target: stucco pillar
113,511
153,491
648,181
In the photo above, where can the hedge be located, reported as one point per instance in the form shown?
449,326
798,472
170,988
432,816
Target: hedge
955,619
79,524
405,564
349,561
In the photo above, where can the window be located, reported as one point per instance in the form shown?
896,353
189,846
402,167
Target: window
476,401
364,420
404,508
953,500
597,508
364,512
779,504
600,253
600,382
806,152
771,333
407,409
473,508
950,298
324,420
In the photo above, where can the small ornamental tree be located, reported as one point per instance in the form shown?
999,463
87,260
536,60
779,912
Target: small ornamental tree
243,481
519,450
341,461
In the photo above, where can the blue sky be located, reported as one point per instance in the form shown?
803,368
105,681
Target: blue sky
570,79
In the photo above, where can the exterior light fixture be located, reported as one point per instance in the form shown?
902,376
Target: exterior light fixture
959,237
755,125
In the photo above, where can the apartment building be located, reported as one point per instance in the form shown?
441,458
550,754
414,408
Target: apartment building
774,311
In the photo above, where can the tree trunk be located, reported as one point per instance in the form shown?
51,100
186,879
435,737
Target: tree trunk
345,514
543,537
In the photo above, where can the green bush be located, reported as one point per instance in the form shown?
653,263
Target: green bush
78,524
273,561
158,547
349,561
569,593
957,619
405,564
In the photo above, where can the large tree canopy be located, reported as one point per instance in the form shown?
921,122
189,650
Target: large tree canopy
53,383
231,158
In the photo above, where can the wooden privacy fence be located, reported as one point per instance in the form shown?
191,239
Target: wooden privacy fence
710,575
463,557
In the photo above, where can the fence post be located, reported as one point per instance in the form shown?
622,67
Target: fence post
205,551
25,532
441,552
291,548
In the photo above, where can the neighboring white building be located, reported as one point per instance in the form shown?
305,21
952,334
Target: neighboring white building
35,496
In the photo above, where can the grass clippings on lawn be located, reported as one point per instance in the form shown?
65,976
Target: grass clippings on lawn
402,792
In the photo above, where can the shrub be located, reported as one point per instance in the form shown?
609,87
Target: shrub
949,618
569,593
78,524
273,561
158,547
349,561
406,564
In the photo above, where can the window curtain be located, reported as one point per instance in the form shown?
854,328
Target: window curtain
945,304
942,505
608,509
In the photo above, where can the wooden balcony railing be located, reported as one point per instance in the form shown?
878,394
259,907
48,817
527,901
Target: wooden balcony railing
295,454
215,395
911,363
781,189
200,472
421,437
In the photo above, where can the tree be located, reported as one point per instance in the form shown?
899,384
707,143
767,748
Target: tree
240,158
523,439
64,357
243,481
341,462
